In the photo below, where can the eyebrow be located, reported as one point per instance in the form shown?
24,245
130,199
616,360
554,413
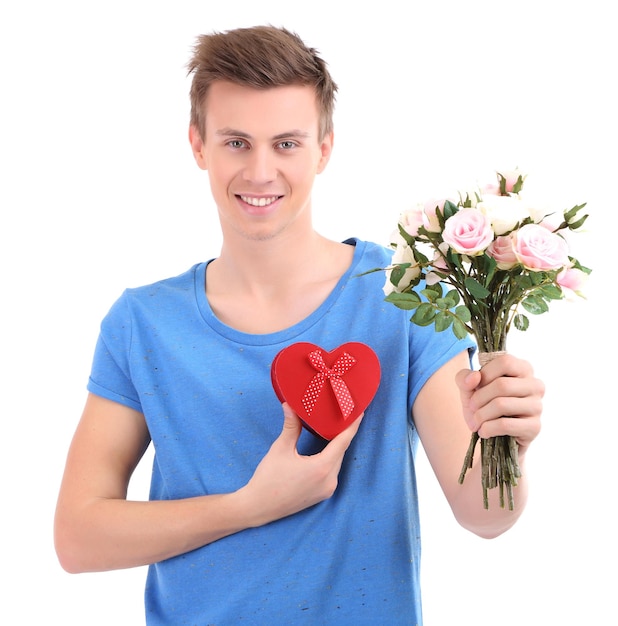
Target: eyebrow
231,132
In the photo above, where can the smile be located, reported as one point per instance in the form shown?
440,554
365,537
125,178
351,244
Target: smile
259,202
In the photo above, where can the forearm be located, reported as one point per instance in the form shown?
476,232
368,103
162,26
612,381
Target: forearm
97,529
502,399
109,534
467,504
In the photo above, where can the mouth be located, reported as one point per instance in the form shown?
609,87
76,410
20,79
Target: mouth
259,201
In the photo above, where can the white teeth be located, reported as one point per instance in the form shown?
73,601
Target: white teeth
258,201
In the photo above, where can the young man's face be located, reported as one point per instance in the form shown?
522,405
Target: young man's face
262,152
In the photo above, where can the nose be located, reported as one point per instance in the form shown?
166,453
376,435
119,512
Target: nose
260,166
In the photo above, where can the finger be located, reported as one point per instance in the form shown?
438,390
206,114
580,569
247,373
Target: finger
505,365
523,429
518,417
497,399
513,406
337,446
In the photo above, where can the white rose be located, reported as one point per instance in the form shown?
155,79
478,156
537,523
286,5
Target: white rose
402,254
542,213
503,212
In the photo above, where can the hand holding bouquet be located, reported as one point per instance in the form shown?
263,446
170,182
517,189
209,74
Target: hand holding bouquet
499,259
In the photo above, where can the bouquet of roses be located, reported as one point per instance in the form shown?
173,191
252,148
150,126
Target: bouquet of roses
499,257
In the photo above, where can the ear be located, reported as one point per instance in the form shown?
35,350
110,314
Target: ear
197,147
326,148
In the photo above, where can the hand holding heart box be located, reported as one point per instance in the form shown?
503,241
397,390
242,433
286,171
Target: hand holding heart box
328,390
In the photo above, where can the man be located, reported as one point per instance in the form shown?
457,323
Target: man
249,521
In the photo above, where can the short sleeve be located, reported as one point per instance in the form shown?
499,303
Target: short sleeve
110,375
430,350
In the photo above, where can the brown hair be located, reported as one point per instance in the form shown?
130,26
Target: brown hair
260,57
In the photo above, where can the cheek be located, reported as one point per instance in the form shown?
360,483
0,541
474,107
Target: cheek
221,168
301,173
219,181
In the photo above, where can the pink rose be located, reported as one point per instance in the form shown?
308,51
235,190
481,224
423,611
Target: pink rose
470,197
411,220
430,219
538,249
439,258
501,249
572,281
468,232
432,278
510,178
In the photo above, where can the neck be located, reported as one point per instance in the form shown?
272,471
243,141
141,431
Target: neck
274,263
279,281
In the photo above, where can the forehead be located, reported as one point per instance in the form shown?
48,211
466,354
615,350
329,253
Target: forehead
262,111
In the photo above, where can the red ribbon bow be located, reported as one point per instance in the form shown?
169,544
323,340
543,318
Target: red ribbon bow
334,374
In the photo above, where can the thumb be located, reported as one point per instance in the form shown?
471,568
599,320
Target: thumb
467,381
292,425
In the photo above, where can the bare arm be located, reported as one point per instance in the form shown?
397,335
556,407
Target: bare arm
97,529
456,401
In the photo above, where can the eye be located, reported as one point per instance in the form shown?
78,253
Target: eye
287,144
237,144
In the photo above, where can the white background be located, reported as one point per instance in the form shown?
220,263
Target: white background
98,191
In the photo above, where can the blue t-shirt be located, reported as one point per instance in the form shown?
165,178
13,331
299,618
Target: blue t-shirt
205,391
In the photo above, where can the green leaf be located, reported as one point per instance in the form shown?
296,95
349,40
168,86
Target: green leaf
433,292
443,320
502,182
424,315
441,220
449,209
523,282
551,292
571,213
578,223
406,301
453,298
463,313
406,236
459,329
419,257
475,288
490,268
398,272
517,187
454,258
371,271
537,278
535,305
431,295
521,322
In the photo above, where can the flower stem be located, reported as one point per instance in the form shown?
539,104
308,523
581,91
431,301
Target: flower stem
467,464
499,460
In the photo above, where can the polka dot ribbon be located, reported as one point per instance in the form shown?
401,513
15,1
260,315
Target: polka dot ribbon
334,374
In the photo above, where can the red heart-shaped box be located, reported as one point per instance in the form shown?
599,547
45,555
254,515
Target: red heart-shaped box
328,390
